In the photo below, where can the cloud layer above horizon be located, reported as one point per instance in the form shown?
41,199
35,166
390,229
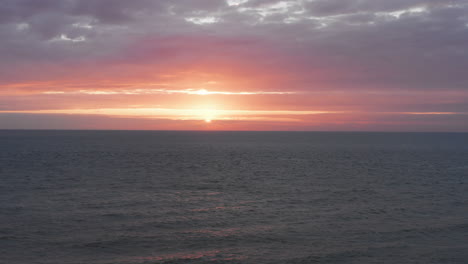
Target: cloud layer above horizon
255,64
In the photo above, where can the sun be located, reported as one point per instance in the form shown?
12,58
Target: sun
208,115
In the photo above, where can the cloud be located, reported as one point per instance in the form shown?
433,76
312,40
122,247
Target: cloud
358,39
318,122
326,46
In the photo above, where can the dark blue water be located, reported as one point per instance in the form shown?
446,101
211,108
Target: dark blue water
232,197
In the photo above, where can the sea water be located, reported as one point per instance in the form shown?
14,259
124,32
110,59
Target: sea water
123,197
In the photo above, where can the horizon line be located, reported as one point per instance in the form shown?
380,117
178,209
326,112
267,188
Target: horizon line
201,130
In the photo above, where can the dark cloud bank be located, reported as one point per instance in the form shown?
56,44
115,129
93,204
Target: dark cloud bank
399,44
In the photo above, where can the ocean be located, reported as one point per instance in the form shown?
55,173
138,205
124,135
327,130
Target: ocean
134,197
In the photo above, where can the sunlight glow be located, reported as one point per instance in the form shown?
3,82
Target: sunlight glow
201,92
169,91
202,114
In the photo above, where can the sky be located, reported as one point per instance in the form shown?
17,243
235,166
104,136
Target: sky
312,65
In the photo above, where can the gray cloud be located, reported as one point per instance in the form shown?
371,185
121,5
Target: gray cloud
378,44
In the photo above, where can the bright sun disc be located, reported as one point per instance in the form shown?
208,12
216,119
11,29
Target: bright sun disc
208,120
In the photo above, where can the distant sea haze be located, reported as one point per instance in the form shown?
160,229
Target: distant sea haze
134,197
